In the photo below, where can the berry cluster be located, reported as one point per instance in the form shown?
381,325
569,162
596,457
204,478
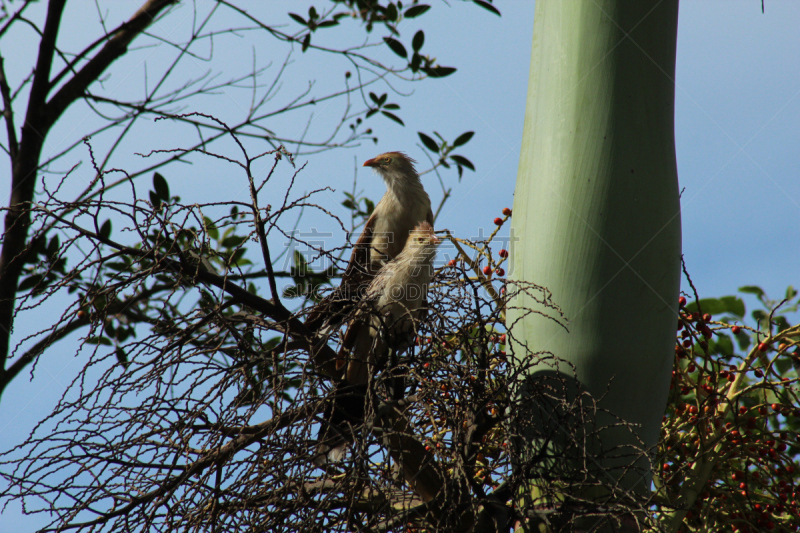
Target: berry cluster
730,436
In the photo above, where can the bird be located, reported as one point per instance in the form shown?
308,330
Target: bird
384,320
404,205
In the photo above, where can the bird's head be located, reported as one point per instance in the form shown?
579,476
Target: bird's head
422,237
420,250
394,167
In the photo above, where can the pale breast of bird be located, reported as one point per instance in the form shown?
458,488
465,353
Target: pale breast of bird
402,219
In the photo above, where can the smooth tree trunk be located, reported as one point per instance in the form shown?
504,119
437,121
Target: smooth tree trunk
597,215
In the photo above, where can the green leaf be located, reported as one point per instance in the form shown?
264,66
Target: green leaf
391,12
463,161
721,345
463,138
272,343
429,143
733,305
791,292
438,72
371,112
349,204
237,258
393,117
98,340
306,42
161,186
211,228
760,316
234,241
374,98
416,11
717,306
155,200
418,41
781,323
396,46
118,266
123,334
752,289
328,23
291,291
30,282
370,205
300,265
53,246
416,61
105,229
298,19
391,106
487,6
743,339
783,365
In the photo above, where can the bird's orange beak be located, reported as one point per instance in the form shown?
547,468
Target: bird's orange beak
370,163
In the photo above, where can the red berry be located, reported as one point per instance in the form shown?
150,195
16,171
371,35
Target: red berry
487,270
451,263
503,338
763,347
507,211
498,221
500,272
736,329
707,317
681,301
503,253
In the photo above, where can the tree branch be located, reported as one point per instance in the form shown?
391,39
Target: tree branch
217,456
23,178
115,48
322,354
8,114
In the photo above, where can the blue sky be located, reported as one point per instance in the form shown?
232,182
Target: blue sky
737,134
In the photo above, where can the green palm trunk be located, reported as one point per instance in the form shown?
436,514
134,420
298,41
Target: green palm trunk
596,211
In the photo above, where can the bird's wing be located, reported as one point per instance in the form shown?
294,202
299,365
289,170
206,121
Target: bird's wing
358,267
422,314
355,279
357,342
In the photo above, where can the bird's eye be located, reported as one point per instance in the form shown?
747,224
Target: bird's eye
387,160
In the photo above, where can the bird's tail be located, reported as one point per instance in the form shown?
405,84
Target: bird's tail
341,421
